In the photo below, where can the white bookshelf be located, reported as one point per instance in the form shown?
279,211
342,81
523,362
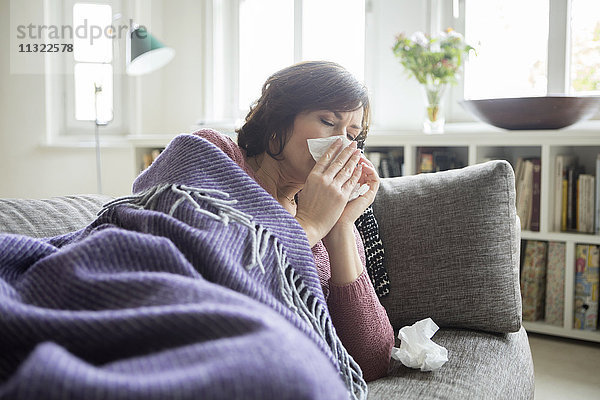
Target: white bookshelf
474,143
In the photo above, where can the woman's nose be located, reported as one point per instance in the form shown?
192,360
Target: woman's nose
342,131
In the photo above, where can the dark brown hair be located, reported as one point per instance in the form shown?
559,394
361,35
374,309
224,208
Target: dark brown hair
306,86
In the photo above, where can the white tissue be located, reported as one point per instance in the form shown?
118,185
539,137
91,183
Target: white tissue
317,148
417,350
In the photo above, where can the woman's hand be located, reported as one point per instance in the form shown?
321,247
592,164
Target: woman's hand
325,195
357,207
340,242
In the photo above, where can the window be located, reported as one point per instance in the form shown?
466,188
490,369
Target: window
97,32
585,47
93,70
511,37
532,48
268,35
266,43
335,30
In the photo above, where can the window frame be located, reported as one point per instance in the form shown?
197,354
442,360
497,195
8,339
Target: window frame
60,80
221,20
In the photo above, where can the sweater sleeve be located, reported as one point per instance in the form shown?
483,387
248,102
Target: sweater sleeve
362,323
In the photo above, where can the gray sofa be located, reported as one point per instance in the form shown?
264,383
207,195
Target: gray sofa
452,242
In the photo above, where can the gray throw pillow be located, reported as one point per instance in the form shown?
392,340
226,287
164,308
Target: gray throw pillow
452,243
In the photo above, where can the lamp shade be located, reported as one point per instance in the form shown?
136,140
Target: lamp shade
146,53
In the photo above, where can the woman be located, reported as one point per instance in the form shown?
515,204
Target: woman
317,100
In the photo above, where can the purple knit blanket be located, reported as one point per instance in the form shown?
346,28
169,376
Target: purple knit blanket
199,285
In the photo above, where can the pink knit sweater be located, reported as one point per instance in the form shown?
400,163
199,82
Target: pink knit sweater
359,319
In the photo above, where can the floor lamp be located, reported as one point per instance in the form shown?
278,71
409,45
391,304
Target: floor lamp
145,54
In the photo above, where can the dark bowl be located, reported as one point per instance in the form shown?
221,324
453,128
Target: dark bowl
549,112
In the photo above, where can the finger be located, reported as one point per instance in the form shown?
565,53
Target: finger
348,169
328,156
351,183
372,183
369,176
372,180
365,160
341,160
369,163
370,171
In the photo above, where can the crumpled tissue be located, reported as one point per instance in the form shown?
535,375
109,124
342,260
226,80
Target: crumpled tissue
317,148
417,350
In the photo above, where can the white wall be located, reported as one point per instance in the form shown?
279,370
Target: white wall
170,98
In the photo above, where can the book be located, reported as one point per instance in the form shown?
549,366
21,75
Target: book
597,202
387,163
396,163
385,168
375,158
533,280
435,159
426,162
519,169
585,203
590,203
565,202
146,160
522,256
524,189
555,283
444,160
573,173
534,219
149,157
586,287
561,164
590,198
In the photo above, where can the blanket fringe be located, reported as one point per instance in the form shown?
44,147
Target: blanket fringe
226,213
296,295
300,299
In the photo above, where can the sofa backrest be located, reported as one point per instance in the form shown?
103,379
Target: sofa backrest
49,217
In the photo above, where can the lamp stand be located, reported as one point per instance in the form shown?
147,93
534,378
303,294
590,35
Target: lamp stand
97,89
98,165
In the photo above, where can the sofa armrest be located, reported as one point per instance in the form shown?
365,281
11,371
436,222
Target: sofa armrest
49,217
452,243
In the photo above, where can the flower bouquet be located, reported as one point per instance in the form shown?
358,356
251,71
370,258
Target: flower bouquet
434,62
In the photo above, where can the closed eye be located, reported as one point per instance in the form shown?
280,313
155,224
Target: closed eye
324,121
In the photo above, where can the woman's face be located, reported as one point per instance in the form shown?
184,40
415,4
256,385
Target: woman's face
298,161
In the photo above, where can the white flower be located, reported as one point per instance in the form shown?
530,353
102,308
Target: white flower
420,39
454,34
435,47
450,35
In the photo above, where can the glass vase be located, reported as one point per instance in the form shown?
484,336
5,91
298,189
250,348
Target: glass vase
434,112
